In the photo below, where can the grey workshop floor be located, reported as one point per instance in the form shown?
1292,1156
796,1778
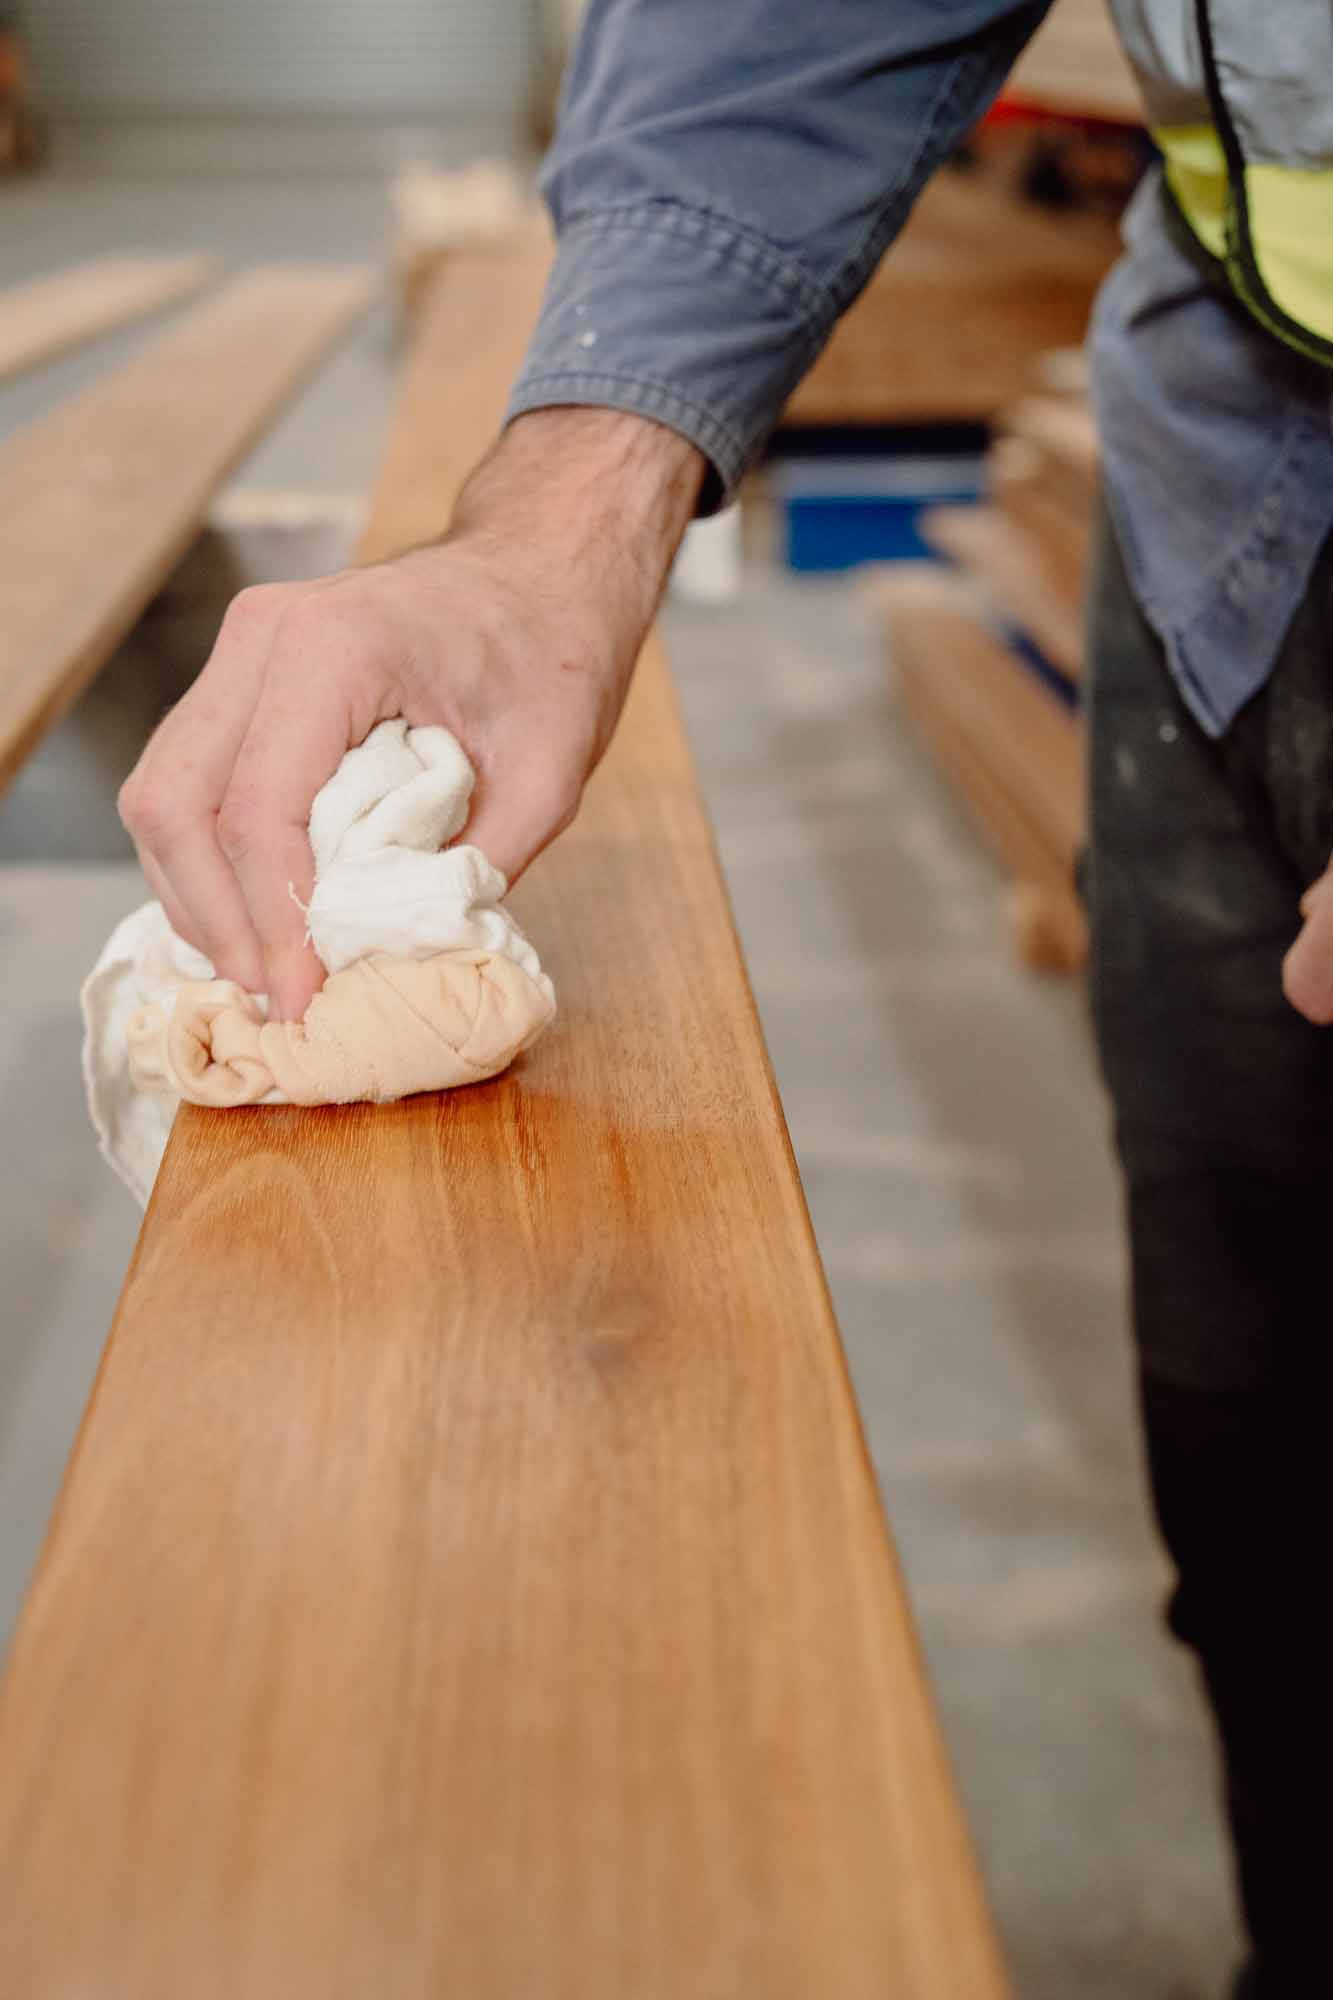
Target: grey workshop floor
943,1109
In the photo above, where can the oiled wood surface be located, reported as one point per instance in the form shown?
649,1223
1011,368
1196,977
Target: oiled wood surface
102,497
45,316
470,1579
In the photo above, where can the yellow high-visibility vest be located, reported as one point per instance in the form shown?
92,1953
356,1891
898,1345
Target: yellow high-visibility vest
1240,99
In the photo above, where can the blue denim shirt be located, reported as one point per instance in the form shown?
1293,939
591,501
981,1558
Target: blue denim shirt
726,176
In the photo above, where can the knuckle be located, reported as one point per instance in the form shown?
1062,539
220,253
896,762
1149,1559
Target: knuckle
147,808
311,636
561,797
251,609
303,612
1317,1006
1309,994
334,634
127,802
239,827
566,811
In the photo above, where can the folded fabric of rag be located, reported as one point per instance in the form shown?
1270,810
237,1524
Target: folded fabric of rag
431,983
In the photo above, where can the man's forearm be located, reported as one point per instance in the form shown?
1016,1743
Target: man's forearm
601,497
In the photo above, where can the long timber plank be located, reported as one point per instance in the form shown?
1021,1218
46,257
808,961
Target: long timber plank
1029,741
1010,753
43,317
470,1578
1063,429
1052,510
985,543
1054,930
99,500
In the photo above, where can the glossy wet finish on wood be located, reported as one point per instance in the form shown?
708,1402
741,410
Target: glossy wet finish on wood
470,1578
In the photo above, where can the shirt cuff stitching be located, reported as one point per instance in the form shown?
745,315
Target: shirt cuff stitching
662,396
713,229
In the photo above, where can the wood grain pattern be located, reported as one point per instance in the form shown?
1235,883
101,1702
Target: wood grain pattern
470,1579
47,315
99,500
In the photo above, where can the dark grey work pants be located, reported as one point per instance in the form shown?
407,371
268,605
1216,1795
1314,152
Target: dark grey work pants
1223,1101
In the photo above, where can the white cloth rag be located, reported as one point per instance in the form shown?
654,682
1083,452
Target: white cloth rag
387,890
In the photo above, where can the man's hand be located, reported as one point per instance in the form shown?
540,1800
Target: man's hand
518,632
1307,974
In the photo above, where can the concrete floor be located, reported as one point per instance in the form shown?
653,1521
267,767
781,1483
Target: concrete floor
943,1107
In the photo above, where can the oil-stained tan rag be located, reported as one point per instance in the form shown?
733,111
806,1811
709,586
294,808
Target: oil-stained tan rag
431,983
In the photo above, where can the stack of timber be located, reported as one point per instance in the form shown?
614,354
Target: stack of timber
979,281
989,654
1075,66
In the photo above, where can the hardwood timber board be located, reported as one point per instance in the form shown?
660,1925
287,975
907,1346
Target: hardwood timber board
420,254
470,1577
100,499
1030,744
991,549
1064,428
1018,842
947,326
1020,461
478,310
1047,920
1051,510
42,318
1047,928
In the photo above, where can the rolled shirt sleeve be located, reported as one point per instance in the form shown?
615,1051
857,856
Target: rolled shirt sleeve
725,177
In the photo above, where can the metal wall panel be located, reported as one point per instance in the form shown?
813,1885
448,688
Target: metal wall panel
373,57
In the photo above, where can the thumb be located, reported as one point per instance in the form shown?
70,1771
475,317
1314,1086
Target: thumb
518,809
